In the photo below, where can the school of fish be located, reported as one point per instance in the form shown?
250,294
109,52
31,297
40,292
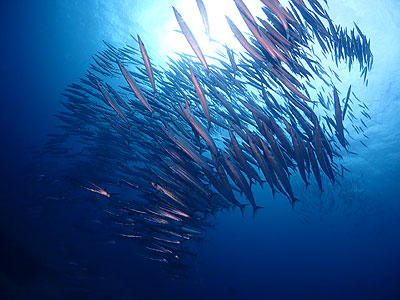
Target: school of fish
195,138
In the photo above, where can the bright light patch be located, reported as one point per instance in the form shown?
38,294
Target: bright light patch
156,24
219,28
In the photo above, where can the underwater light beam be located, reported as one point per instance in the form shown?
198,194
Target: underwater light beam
220,32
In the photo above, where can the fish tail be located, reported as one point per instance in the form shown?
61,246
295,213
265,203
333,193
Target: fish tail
262,182
241,207
262,185
294,200
255,209
273,190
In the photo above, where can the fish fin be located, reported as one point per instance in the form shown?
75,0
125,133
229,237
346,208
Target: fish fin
251,181
241,207
293,201
255,209
213,40
262,183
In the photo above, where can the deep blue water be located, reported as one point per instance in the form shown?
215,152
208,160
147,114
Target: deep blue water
326,248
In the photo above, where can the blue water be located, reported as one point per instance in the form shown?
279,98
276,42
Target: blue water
343,245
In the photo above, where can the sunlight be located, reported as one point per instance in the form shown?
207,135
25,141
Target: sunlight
219,28
159,24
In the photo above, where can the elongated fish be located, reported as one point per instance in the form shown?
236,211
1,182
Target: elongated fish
147,63
314,165
239,155
262,164
346,102
339,120
135,88
251,24
226,104
200,129
277,11
242,40
112,103
204,17
202,99
98,190
279,171
190,38
188,149
244,186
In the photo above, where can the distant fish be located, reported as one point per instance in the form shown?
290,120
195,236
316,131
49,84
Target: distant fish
346,102
339,120
203,13
98,190
314,165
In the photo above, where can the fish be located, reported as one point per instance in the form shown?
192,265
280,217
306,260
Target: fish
283,178
314,165
204,17
223,184
242,40
288,84
147,64
339,119
346,102
191,39
135,88
251,24
277,11
226,104
244,186
98,190
112,103
262,164
201,97
200,129
239,155
297,144
274,146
